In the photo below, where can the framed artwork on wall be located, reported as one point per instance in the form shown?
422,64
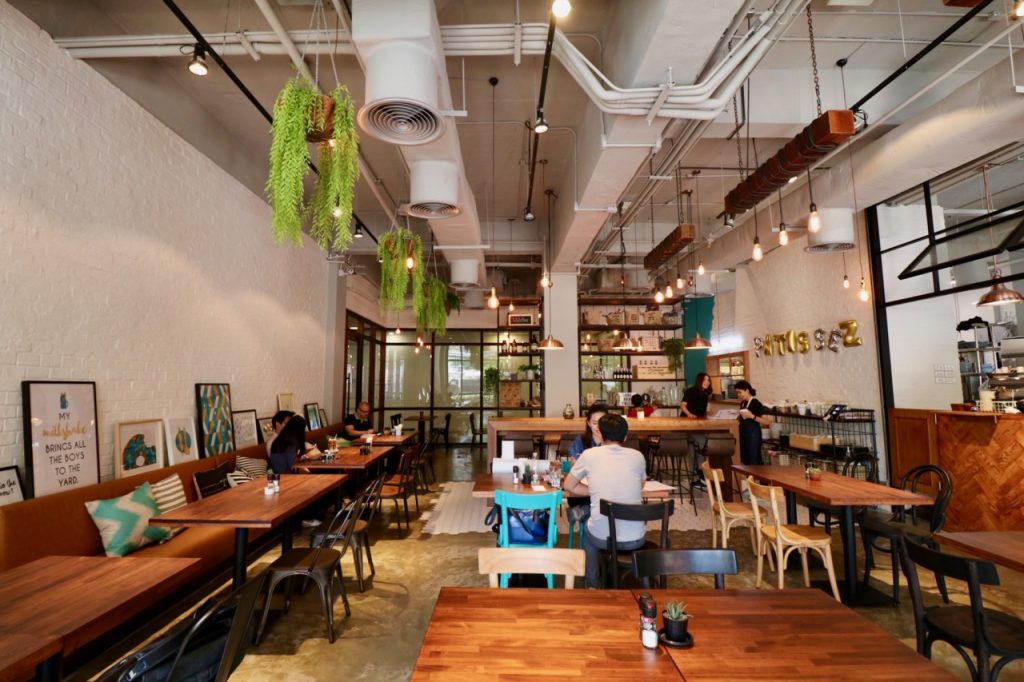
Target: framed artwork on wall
323,417
138,447
11,490
61,436
520,320
312,416
216,431
246,430
182,444
286,401
266,425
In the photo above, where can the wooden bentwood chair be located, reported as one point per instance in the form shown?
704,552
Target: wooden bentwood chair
495,561
725,515
782,538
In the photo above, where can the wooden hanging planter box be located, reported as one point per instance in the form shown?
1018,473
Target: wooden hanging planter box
326,132
683,234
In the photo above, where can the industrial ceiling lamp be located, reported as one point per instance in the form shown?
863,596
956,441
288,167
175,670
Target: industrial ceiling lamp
758,253
492,301
197,64
541,126
700,267
1016,13
358,234
561,8
668,291
659,297
549,342
813,219
698,342
999,294
783,231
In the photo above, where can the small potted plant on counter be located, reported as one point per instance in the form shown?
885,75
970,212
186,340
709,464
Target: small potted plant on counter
676,623
814,473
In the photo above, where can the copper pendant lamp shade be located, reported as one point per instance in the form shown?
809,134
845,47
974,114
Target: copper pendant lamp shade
551,343
698,342
999,294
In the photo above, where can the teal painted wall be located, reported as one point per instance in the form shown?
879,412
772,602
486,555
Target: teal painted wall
698,315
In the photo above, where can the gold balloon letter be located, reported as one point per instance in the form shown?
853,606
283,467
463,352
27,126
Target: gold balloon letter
791,341
850,337
781,340
803,342
768,342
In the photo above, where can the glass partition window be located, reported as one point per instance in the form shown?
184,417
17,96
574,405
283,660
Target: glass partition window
458,380
407,377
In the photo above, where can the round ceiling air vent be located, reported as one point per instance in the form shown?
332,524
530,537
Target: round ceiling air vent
837,232
401,121
829,247
433,210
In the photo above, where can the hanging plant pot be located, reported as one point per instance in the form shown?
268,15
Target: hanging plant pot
393,248
322,116
434,315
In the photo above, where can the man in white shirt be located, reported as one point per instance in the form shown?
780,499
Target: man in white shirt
613,473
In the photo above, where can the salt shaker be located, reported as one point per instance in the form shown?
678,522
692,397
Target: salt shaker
648,621
515,475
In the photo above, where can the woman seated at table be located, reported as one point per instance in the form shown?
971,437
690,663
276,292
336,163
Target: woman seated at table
591,436
638,406
290,447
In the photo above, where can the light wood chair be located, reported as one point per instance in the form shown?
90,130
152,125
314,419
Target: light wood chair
725,515
784,538
494,561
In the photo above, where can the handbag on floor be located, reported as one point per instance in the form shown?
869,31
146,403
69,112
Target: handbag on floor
525,526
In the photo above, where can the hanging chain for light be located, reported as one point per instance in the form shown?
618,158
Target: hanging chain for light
679,194
739,147
853,179
814,58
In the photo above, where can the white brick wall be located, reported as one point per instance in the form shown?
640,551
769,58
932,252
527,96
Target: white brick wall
131,260
792,289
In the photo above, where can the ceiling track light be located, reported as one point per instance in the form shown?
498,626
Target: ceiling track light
358,234
541,126
197,65
528,215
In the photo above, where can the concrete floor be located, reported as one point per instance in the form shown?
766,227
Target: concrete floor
381,640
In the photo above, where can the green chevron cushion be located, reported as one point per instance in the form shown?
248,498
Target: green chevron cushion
123,521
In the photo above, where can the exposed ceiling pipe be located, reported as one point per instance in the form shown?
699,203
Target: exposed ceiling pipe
540,121
375,184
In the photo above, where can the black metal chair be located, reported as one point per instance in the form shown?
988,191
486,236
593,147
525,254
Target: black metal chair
986,632
657,564
622,561
443,431
401,485
320,563
919,523
360,530
477,432
863,467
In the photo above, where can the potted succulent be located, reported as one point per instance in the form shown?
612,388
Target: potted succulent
676,621
814,473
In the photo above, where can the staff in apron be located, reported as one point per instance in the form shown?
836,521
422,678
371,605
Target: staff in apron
753,416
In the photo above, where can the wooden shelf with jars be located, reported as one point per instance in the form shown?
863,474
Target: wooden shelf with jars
614,375
521,375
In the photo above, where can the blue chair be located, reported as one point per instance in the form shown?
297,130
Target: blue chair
530,502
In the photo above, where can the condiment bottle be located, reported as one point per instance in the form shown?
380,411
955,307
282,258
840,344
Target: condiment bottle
515,475
648,621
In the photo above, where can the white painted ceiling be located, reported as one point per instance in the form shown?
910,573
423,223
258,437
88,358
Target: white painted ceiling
215,117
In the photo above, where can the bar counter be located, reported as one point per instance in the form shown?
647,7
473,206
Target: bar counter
983,453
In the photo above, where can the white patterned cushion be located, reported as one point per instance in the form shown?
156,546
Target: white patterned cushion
169,494
237,478
252,466
123,521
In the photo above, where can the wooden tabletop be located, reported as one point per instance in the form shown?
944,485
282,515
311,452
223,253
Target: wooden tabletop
348,459
787,635
72,600
486,484
652,426
390,439
246,506
1004,547
21,652
832,489
520,634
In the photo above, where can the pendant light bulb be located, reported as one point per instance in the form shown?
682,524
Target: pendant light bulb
668,291
545,281
398,331
846,282
336,212
814,220
659,297
680,284
511,307
419,340
416,350
492,302
783,234
561,8
863,293
700,267
758,253
410,263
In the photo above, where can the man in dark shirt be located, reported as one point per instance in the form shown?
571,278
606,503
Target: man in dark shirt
359,424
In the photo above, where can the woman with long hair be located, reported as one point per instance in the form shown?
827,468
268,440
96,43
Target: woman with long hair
753,416
591,436
695,400
289,446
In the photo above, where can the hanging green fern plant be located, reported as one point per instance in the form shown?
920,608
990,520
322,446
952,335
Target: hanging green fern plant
289,157
393,250
330,209
434,316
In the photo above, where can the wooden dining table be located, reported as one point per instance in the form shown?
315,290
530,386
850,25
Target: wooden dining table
54,605
246,506
389,439
512,634
498,427
1003,547
350,459
834,490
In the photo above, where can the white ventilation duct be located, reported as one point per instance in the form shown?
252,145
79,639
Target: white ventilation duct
465,272
837,232
396,43
434,189
473,299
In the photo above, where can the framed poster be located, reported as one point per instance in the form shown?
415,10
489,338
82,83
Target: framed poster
182,444
520,320
312,416
323,417
61,435
286,401
216,430
138,447
266,425
10,486
246,431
